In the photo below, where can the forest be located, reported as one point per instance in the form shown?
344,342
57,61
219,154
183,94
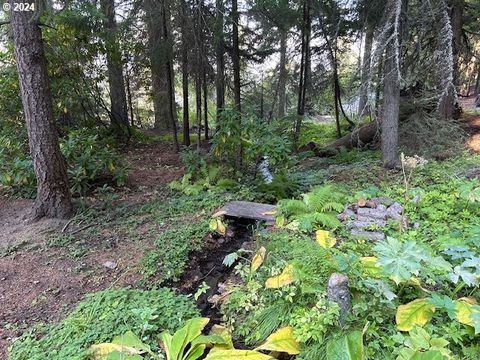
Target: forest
253,179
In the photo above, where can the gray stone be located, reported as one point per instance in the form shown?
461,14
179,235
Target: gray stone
339,293
384,201
110,265
363,222
372,235
372,213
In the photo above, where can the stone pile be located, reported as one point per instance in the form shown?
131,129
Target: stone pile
367,218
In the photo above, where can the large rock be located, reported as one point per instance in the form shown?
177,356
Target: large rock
339,293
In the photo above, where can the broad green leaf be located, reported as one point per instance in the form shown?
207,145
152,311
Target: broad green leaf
428,355
175,345
285,278
236,354
416,312
324,239
257,260
281,340
131,340
195,352
349,347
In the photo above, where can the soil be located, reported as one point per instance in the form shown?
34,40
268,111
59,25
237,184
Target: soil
471,123
41,283
206,265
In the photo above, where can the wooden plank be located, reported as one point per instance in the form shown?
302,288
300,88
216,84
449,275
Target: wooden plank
248,210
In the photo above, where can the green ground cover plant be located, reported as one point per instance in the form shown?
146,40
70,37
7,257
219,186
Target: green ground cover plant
102,316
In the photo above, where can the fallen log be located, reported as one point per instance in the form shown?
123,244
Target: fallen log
357,138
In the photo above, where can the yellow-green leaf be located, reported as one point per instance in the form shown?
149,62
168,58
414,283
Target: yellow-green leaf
257,260
236,354
285,278
218,226
324,239
101,350
225,334
464,310
416,312
281,340
280,221
370,265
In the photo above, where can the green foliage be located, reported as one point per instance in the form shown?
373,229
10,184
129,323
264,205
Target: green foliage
102,316
256,138
168,259
91,161
318,208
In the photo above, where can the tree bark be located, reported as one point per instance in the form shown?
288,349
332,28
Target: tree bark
304,70
365,78
53,194
165,18
236,58
205,102
186,115
446,107
158,53
198,99
391,104
283,74
219,58
118,100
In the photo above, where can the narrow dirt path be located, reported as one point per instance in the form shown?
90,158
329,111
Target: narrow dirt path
42,282
472,126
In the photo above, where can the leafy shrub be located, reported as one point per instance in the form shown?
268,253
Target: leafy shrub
16,170
257,138
90,161
102,316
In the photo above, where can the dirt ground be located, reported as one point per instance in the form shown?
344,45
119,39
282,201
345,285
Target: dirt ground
472,123
40,283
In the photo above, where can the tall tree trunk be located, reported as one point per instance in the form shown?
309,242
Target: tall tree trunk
186,114
283,74
129,91
158,49
165,19
53,194
118,101
205,102
446,106
219,59
236,58
304,70
391,106
198,100
365,78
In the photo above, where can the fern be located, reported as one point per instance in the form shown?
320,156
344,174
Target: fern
293,207
317,210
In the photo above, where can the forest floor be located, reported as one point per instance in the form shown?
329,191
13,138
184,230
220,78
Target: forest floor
42,279
47,267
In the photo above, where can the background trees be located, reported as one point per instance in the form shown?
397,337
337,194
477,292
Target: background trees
284,61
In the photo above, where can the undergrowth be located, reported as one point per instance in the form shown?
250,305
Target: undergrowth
102,316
